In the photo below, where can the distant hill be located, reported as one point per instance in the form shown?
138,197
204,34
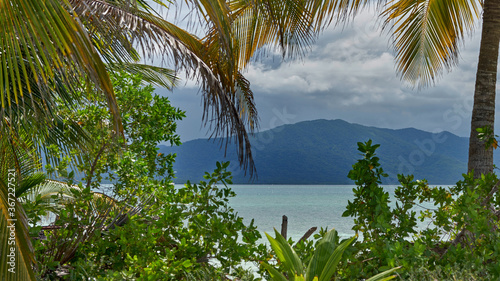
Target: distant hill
323,152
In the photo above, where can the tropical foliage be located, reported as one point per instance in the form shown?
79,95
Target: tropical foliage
52,50
146,228
457,226
57,98
322,265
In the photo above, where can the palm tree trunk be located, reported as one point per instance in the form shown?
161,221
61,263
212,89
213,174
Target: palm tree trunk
483,112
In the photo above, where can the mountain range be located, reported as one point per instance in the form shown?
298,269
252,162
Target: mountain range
323,152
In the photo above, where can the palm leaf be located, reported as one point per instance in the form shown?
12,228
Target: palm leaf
47,190
35,120
284,24
29,182
132,27
43,38
290,25
15,164
427,34
383,275
160,76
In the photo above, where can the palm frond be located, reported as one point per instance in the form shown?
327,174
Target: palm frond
245,101
427,34
150,33
287,25
15,165
35,119
216,74
156,75
45,39
291,26
29,182
47,189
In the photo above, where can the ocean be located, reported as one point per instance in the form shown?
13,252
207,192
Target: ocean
305,206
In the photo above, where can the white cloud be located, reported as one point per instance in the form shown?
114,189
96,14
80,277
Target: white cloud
350,74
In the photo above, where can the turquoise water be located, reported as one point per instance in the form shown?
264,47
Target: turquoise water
305,206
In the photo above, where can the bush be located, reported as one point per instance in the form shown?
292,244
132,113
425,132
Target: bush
463,232
144,228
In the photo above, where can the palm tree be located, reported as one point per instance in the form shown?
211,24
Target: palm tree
427,36
483,112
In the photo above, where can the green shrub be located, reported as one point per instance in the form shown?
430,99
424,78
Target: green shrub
146,229
462,231
322,265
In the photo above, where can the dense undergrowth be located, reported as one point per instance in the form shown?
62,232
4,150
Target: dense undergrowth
144,228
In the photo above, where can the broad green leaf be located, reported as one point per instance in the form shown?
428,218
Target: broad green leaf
325,248
331,265
274,273
286,254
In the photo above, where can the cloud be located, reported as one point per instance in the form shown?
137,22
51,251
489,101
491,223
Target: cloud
350,74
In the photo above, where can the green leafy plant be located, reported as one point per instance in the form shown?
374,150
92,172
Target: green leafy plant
147,228
462,223
322,265
370,205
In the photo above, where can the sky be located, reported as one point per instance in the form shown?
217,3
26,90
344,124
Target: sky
349,73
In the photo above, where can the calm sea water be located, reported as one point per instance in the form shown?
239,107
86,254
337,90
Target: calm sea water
305,206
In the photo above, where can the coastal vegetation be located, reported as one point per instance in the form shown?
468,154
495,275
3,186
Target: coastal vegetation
54,50
78,109
145,228
141,227
461,221
460,240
